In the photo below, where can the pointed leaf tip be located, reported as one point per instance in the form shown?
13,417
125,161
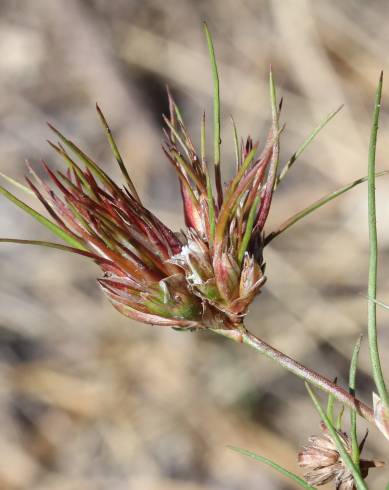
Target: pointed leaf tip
297,479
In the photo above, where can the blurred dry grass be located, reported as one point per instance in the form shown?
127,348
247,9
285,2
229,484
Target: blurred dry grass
89,400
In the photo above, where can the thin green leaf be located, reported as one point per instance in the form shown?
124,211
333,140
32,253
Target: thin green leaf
17,184
277,467
309,140
316,205
216,115
238,177
188,169
353,414
72,166
117,155
373,256
203,139
338,442
273,97
178,114
175,133
338,423
275,116
67,237
330,405
57,246
211,211
88,162
248,230
237,147
211,205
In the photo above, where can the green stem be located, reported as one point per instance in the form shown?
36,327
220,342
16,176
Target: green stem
372,287
243,336
353,416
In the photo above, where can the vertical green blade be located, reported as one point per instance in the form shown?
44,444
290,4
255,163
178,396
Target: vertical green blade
373,256
216,115
353,414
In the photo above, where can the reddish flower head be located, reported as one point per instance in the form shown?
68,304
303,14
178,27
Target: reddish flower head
204,277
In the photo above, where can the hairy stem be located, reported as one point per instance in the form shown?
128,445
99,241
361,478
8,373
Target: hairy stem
321,382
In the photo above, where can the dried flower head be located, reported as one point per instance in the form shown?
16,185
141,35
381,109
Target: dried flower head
324,463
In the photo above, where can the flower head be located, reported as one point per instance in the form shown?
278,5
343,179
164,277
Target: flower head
204,277
222,257
323,462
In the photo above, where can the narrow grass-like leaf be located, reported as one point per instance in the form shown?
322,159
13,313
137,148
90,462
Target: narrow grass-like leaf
238,177
274,162
216,115
274,465
353,414
178,114
373,256
248,230
189,170
237,147
176,135
211,204
95,169
211,211
275,116
330,405
347,460
273,97
17,184
59,232
202,139
116,154
316,205
309,140
338,422
57,246
71,164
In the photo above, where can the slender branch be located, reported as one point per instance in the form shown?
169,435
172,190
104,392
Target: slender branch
321,382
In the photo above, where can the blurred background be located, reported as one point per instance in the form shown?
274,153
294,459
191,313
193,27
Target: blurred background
90,400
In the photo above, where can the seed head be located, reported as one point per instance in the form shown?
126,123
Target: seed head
324,463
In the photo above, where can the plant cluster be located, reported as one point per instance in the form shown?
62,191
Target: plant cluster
207,276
